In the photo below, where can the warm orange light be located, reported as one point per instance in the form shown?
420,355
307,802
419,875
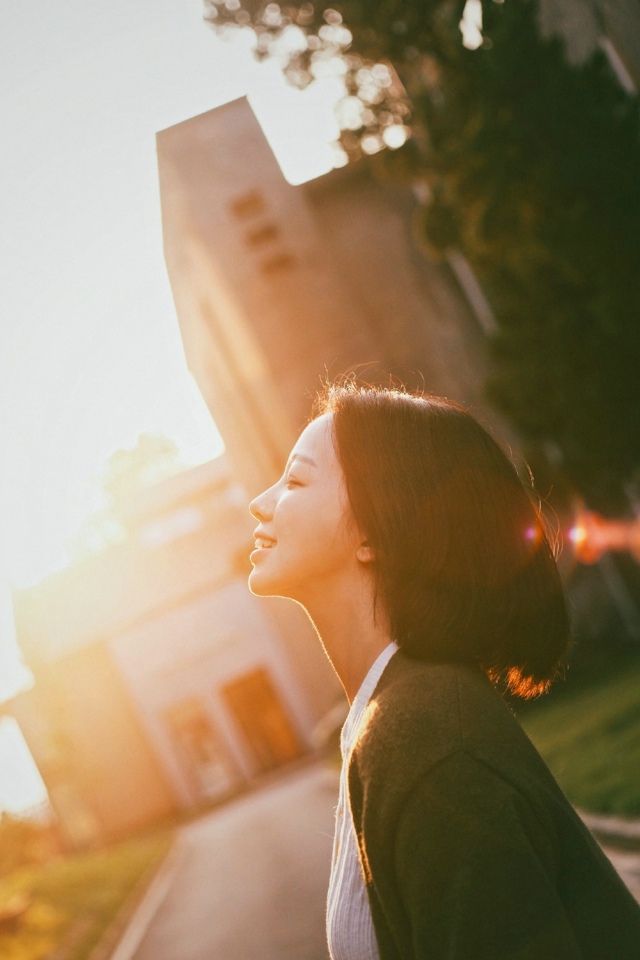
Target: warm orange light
592,535
21,785
577,535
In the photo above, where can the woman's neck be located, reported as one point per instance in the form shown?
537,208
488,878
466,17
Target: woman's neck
343,619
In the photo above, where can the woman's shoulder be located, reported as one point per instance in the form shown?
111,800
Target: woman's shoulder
421,713
447,699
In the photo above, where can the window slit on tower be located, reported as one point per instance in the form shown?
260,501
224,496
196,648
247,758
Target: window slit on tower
277,263
248,205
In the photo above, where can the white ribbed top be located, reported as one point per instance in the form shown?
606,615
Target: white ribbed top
350,932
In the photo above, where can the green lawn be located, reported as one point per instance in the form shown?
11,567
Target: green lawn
73,900
590,738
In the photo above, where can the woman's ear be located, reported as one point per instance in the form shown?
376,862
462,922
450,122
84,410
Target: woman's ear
365,553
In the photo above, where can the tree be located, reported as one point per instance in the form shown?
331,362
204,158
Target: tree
126,472
532,167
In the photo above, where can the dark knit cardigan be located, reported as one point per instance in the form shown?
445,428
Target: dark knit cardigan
469,849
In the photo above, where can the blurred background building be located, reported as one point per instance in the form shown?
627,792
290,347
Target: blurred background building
279,286
161,683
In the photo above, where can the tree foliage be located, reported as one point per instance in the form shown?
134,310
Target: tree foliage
127,472
532,167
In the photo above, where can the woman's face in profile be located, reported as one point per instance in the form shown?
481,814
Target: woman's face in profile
306,538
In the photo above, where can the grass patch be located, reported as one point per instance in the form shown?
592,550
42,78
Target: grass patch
73,900
590,739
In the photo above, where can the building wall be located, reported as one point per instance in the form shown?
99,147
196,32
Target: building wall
215,172
420,327
103,778
191,654
162,683
278,287
183,545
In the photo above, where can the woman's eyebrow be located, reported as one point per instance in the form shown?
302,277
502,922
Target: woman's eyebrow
301,456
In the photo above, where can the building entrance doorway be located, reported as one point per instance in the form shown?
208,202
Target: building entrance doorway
259,712
199,747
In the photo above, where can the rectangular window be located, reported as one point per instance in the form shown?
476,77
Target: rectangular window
263,234
248,204
278,263
255,705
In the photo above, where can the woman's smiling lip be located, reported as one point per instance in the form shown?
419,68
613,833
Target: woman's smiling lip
259,551
262,541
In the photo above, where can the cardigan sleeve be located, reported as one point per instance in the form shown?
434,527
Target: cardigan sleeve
475,870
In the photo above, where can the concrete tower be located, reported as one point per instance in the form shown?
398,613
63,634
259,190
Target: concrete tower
279,286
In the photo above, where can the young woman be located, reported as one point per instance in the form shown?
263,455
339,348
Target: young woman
404,531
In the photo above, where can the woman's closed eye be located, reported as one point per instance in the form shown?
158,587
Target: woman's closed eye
292,482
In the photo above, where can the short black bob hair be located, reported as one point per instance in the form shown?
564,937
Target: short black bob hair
464,567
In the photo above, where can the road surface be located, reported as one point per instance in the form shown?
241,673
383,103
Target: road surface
249,880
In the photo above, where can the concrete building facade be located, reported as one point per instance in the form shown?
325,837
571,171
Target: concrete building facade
161,683
278,287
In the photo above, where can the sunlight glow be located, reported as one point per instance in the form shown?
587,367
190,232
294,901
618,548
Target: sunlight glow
39,539
577,534
592,535
300,125
395,135
92,352
471,25
23,788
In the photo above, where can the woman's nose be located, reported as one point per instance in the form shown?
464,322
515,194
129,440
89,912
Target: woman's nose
259,507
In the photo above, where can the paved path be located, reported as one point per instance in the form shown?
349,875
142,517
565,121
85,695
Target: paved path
249,881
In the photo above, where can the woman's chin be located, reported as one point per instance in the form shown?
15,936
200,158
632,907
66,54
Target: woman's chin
255,586
261,585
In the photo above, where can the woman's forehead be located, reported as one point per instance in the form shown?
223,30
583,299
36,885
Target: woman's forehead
315,442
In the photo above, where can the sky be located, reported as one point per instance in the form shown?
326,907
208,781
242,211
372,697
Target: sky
90,353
